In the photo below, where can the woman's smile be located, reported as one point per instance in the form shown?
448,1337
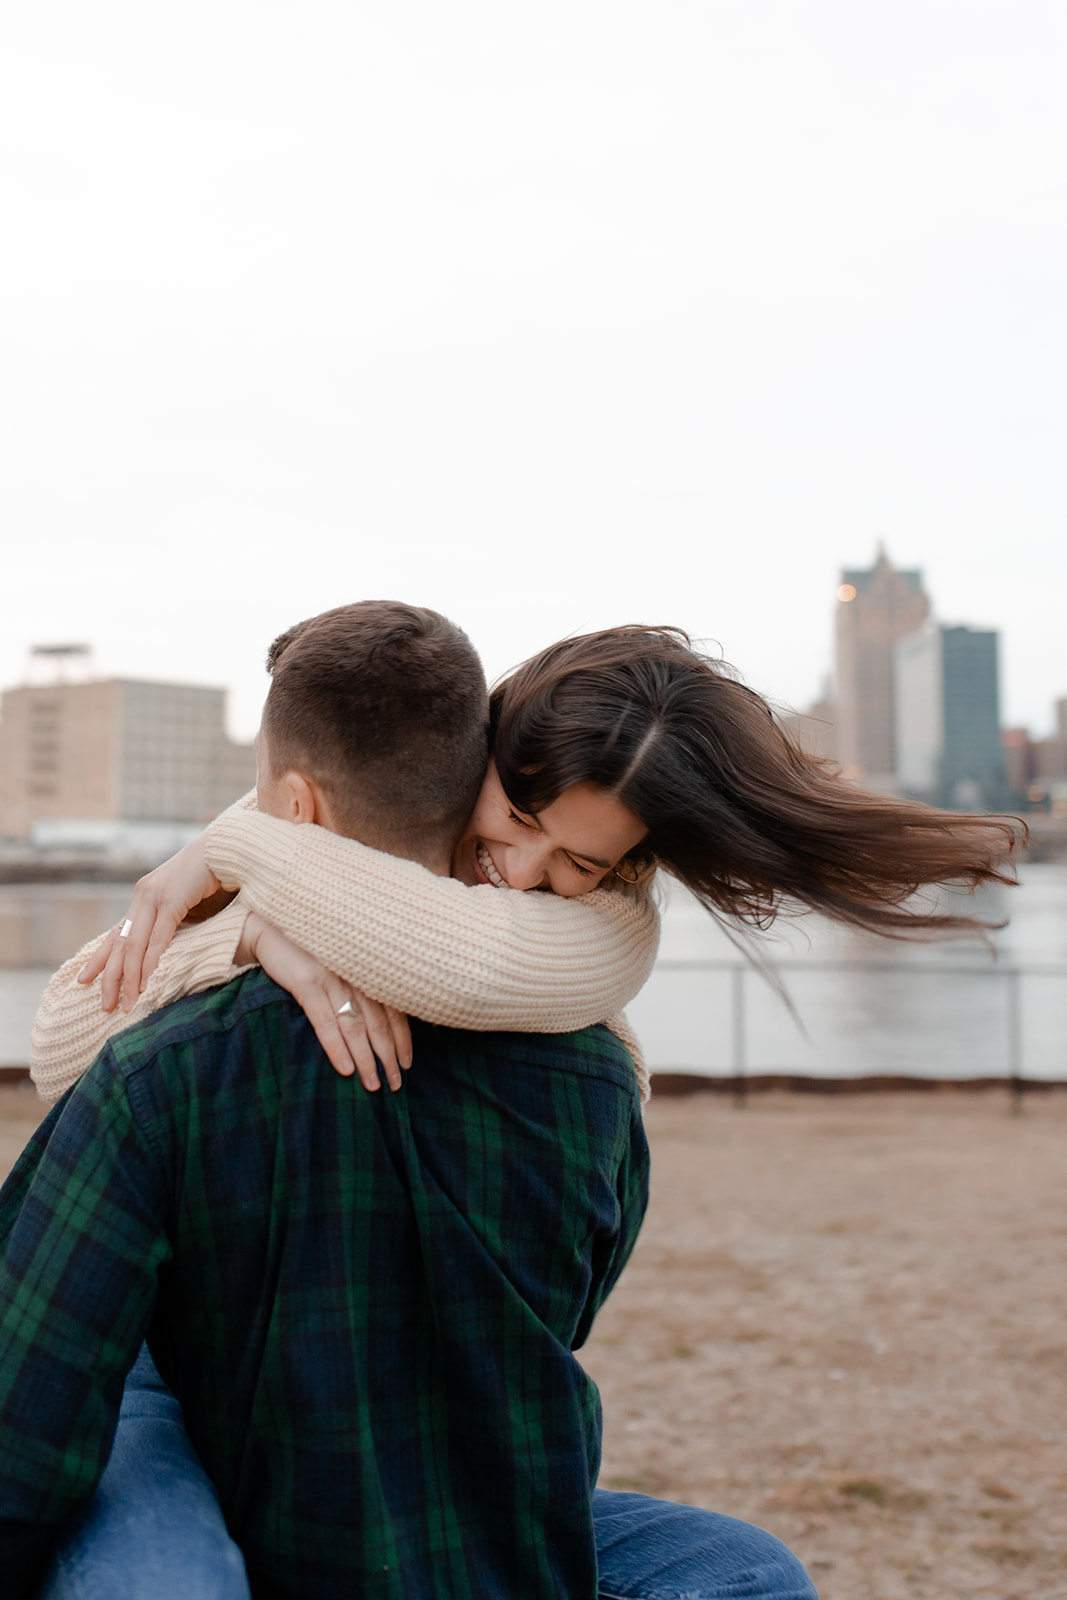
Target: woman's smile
487,866
569,847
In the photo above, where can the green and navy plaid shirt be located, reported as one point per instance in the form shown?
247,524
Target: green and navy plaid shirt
366,1304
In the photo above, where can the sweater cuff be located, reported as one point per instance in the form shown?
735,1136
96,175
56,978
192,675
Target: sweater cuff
239,841
209,948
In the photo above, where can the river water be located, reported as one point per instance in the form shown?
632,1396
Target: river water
850,1016
942,1012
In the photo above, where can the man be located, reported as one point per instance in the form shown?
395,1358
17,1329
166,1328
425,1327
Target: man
366,1305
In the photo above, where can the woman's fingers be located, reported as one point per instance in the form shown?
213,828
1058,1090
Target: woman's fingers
345,1049
125,971
99,958
160,902
369,1020
154,916
401,1030
350,1028
323,998
354,1030
132,951
162,931
107,963
122,975
140,925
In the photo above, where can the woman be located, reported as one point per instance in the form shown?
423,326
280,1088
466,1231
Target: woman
613,754
634,717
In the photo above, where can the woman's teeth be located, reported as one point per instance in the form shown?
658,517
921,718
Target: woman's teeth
485,861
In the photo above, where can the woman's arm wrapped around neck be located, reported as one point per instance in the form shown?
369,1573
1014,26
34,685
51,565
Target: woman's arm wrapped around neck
482,958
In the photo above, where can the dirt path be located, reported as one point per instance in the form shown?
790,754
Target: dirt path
20,1112
847,1320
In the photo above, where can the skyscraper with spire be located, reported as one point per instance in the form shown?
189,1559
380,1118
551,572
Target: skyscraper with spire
876,606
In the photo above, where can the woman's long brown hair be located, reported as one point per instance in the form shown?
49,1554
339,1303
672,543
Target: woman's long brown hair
751,823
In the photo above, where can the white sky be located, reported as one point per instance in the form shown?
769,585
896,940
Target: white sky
550,317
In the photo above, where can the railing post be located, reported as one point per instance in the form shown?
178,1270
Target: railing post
737,1015
1015,1038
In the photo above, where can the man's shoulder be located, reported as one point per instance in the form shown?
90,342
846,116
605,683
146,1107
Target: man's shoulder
236,1046
593,1052
198,1019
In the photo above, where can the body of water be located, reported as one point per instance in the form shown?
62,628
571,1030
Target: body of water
41,924
942,1013
928,1020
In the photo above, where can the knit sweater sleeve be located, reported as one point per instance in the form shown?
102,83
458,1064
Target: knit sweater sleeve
463,957
72,1027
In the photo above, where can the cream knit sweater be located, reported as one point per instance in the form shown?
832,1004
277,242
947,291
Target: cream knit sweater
481,958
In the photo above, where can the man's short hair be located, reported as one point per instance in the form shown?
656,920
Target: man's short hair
384,705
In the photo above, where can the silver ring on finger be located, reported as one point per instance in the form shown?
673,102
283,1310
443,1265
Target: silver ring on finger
124,931
347,1010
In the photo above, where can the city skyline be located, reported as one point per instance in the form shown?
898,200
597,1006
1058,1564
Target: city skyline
90,658
913,709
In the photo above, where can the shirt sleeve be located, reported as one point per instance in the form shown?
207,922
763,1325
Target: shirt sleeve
72,1026
612,1251
482,958
82,1240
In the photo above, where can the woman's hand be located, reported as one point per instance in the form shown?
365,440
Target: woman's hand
161,900
351,1040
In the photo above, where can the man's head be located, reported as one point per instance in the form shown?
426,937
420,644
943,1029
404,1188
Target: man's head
379,710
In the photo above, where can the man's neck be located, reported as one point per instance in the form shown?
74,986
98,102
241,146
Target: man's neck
294,796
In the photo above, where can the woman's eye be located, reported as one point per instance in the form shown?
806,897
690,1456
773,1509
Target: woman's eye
522,822
587,872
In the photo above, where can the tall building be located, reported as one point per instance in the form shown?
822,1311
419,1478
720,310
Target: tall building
1018,766
948,742
876,607
1035,764
1050,755
115,751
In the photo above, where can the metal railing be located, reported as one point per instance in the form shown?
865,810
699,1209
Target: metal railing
740,971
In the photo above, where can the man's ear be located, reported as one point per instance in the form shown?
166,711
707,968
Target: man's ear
304,800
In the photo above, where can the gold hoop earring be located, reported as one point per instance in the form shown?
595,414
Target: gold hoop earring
632,876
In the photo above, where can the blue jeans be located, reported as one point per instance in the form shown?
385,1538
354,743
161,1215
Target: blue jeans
657,1550
154,1530
154,1527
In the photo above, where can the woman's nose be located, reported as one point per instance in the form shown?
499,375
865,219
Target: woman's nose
526,866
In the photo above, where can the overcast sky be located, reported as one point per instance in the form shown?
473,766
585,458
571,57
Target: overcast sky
549,317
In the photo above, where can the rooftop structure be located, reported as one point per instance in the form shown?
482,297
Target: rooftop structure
84,755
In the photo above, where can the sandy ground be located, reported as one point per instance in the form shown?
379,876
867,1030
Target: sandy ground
846,1321
20,1112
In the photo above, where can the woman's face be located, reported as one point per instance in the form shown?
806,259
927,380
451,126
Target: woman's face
568,847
